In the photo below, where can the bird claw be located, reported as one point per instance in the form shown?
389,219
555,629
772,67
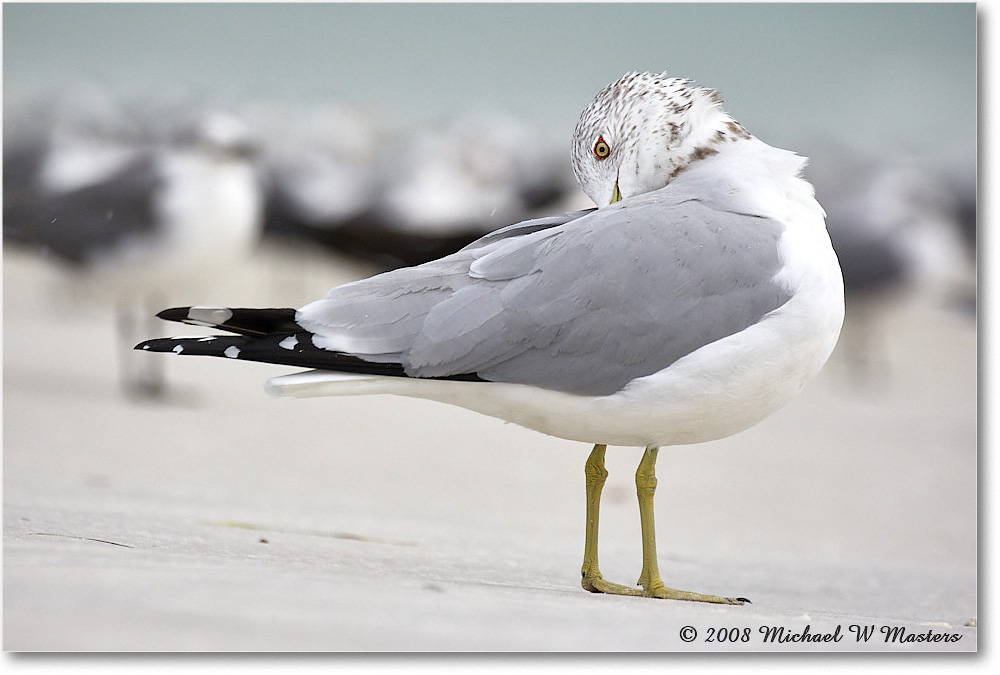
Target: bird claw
595,583
674,594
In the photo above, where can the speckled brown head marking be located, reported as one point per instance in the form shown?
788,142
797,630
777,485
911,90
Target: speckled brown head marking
654,127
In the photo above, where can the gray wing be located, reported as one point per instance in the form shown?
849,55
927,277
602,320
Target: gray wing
582,307
82,224
527,227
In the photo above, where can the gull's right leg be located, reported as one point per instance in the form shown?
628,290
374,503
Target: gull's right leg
592,579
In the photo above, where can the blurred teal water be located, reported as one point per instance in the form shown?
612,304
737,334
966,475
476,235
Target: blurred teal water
879,75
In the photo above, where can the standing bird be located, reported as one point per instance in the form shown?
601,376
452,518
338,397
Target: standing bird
341,181
128,221
896,227
699,297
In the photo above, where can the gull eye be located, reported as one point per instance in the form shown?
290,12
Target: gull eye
601,148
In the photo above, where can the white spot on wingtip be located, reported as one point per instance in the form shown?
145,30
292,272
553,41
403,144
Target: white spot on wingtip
145,346
289,342
209,316
232,351
178,349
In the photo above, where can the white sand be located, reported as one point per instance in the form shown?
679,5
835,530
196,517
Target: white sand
389,524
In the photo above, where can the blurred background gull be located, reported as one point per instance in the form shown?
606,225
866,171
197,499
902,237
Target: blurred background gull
339,177
468,174
134,208
903,228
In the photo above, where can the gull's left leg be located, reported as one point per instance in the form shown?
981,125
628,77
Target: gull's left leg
649,579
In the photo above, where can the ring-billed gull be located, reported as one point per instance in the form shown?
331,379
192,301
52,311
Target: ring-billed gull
138,219
700,296
895,226
399,197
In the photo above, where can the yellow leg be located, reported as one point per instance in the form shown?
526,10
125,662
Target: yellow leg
592,579
649,579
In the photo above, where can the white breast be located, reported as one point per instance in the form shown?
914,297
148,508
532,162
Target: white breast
209,213
212,206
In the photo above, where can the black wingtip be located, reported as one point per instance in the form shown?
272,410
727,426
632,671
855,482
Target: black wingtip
174,314
156,345
254,322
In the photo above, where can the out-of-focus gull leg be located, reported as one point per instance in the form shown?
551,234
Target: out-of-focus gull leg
140,378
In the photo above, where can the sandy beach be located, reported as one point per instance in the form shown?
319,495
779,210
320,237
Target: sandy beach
222,519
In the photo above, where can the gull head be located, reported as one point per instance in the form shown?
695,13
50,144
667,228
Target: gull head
643,130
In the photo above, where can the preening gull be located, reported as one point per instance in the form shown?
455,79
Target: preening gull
697,298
